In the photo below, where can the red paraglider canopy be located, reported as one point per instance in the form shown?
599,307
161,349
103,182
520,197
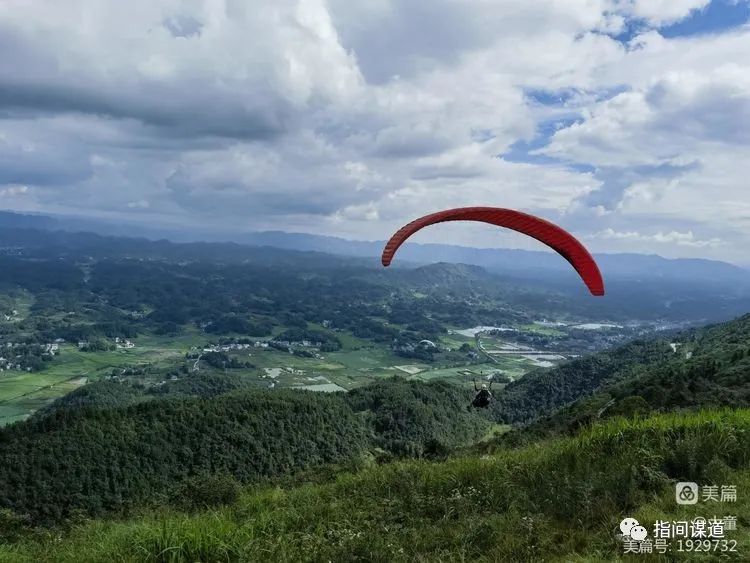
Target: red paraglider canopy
550,234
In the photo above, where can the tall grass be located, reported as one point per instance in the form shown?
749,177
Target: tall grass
559,499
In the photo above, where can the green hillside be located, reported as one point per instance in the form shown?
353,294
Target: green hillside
160,462
92,455
706,367
104,460
543,391
559,500
409,418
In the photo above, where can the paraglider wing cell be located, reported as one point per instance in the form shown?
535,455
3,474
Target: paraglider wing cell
550,234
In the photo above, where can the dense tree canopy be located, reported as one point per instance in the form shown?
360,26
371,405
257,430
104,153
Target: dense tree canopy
109,446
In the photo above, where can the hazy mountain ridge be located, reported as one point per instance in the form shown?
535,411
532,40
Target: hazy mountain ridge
619,265
697,299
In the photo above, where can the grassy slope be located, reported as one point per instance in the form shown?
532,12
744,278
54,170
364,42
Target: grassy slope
556,500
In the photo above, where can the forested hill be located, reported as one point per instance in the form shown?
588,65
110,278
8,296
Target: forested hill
544,391
100,457
110,446
411,418
699,368
709,367
107,394
561,500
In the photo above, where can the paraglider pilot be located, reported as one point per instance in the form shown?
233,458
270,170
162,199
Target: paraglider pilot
483,397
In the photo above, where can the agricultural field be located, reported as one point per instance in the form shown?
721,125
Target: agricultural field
156,358
177,319
22,393
458,353
358,362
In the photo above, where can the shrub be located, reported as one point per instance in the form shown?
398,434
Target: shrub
209,491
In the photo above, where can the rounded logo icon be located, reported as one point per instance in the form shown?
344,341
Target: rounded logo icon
627,525
638,533
686,493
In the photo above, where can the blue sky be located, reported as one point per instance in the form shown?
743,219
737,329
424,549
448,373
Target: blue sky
625,120
715,17
719,16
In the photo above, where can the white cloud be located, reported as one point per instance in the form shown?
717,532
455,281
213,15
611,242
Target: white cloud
676,118
12,191
351,118
248,73
674,146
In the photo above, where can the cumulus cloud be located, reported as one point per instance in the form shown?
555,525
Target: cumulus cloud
677,115
213,68
673,146
350,118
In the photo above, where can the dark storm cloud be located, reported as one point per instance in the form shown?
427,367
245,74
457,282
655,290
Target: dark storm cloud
399,143
717,111
414,37
446,172
236,196
404,38
44,166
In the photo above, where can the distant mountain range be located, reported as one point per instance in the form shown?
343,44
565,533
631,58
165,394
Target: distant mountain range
528,263
508,260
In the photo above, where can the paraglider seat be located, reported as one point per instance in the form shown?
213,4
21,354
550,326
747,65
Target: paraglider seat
482,399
